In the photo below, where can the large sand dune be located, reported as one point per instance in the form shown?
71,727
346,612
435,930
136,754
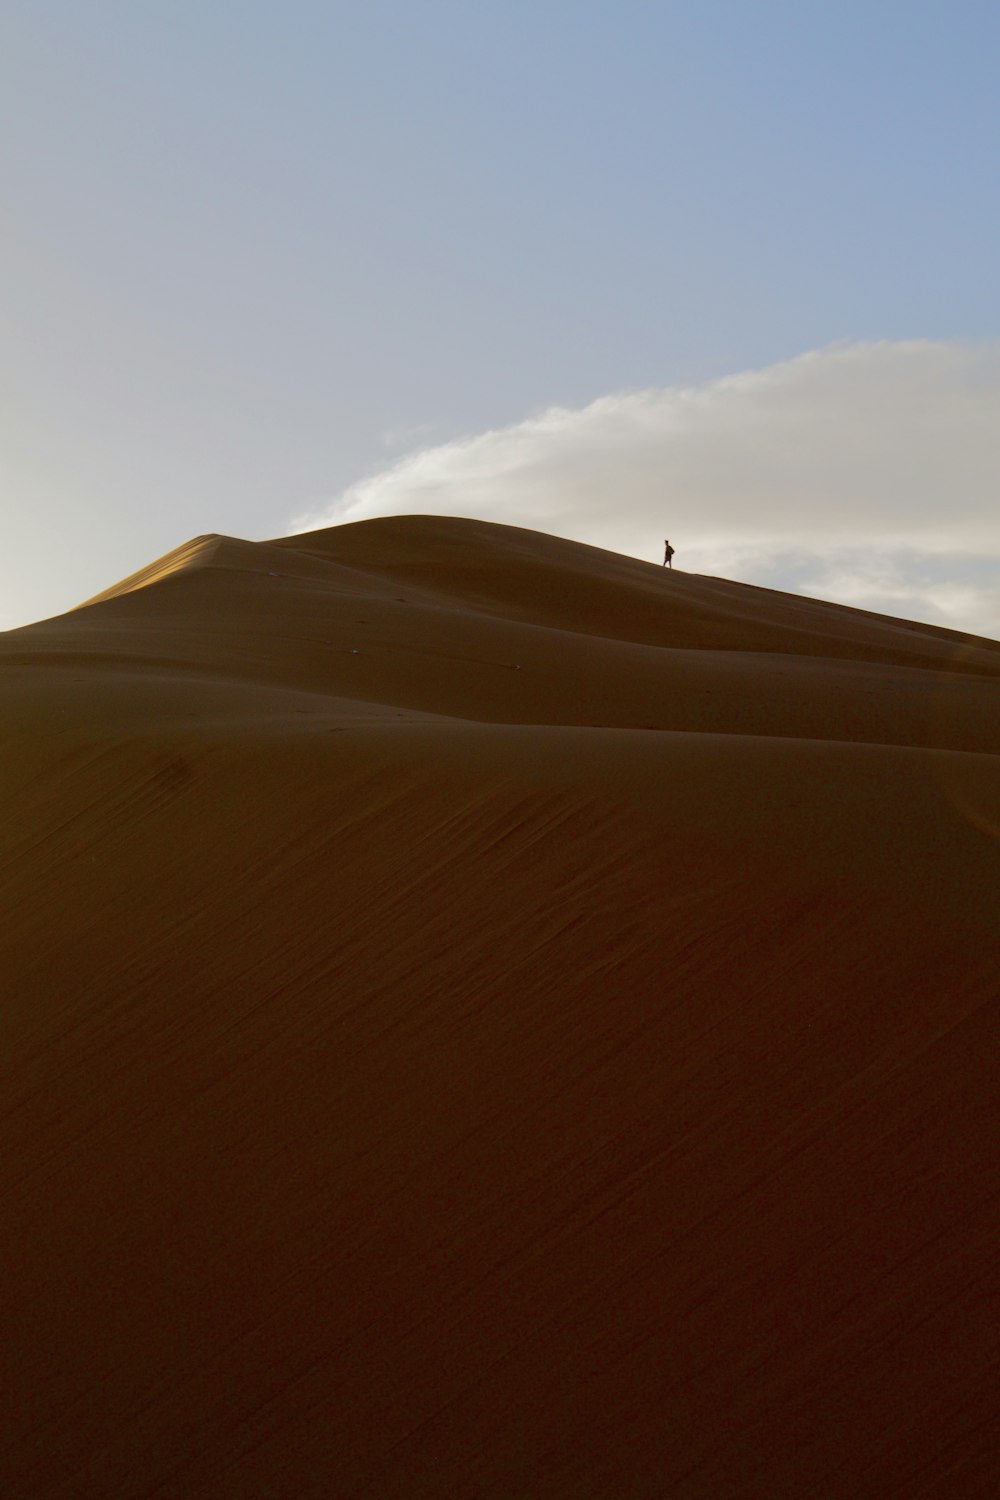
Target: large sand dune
487,1017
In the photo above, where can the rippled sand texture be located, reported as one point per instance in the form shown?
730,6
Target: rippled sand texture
486,1017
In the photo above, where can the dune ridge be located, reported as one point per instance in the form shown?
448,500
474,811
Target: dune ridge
484,1016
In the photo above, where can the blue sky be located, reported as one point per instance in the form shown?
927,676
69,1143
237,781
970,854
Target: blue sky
256,255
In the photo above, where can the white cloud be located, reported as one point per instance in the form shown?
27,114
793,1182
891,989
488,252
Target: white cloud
862,472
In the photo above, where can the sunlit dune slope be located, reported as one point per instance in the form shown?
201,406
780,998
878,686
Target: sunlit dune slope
499,625
487,1017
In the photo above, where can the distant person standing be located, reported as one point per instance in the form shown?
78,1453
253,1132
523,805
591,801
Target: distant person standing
668,555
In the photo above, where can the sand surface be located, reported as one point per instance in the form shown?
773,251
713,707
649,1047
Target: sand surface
485,1017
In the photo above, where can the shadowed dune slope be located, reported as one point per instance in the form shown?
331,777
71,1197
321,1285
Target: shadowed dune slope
487,1017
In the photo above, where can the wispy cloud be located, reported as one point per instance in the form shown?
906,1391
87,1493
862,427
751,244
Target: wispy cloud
866,473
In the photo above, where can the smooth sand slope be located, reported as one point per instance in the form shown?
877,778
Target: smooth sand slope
485,1017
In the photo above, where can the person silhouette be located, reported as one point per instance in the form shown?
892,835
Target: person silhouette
668,554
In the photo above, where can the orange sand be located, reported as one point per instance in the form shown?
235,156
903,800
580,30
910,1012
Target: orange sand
486,1017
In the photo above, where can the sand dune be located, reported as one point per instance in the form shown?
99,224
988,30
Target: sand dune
488,1017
